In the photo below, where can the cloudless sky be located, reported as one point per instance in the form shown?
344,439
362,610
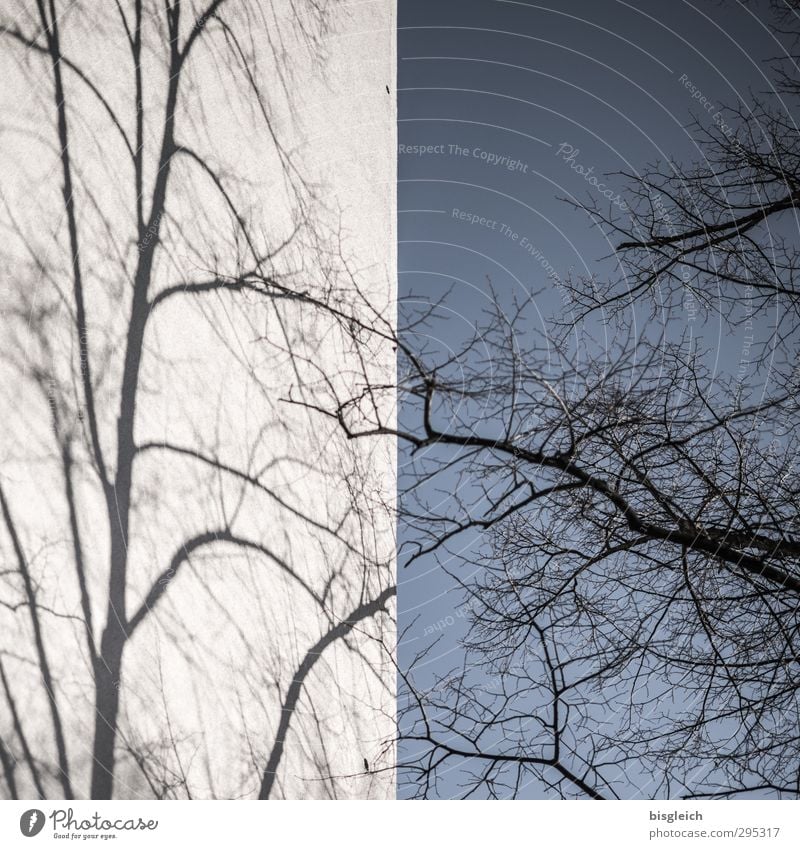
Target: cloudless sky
493,97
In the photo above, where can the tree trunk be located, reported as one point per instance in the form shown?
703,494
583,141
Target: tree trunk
107,686
108,667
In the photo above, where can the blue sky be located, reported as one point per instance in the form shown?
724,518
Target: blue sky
507,108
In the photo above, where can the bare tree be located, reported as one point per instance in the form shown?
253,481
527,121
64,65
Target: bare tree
621,518
169,257
716,236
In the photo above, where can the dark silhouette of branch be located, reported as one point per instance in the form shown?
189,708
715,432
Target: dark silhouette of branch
184,553
9,765
339,631
49,24
41,652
